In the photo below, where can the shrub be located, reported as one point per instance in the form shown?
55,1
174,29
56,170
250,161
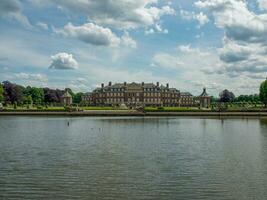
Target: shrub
40,107
15,105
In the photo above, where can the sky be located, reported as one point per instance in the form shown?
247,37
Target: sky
190,44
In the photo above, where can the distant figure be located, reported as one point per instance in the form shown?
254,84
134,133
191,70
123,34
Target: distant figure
68,123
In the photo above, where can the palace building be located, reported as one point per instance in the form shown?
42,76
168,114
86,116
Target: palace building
187,99
133,94
142,94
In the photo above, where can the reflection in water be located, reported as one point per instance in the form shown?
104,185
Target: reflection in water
132,158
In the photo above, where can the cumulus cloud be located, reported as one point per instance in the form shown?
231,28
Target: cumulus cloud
126,40
156,29
233,52
12,9
201,18
119,13
244,42
63,61
239,23
91,33
96,35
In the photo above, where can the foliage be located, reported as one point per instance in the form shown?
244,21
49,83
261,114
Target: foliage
36,94
78,98
52,96
226,96
13,92
263,92
214,99
28,100
248,98
1,93
70,92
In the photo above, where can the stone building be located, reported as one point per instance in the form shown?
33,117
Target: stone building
67,98
87,99
204,99
187,99
134,94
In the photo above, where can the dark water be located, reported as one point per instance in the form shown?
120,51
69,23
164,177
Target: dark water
132,158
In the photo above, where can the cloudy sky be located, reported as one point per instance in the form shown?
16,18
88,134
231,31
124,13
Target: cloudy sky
188,43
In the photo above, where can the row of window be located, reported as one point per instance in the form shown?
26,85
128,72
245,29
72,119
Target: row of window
137,94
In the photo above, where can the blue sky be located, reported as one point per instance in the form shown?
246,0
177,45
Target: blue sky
190,44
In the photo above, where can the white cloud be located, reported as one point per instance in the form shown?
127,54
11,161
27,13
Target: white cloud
96,35
156,29
63,61
29,76
201,18
262,4
121,14
244,43
239,23
32,79
42,25
91,33
126,40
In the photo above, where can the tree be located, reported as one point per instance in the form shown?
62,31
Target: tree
28,100
226,96
78,97
37,95
13,92
70,92
1,93
52,96
263,92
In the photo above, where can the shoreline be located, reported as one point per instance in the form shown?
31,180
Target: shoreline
121,113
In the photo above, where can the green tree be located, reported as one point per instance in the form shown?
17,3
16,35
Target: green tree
1,93
77,98
263,92
37,95
28,100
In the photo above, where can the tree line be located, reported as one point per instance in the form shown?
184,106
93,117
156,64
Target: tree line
11,93
227,96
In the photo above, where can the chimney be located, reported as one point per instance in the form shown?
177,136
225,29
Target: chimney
124,83
157,84
167,85
143,83
102,85
109,84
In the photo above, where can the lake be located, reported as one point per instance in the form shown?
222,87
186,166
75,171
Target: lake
132,158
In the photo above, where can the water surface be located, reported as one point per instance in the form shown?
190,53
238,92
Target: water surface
132,158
